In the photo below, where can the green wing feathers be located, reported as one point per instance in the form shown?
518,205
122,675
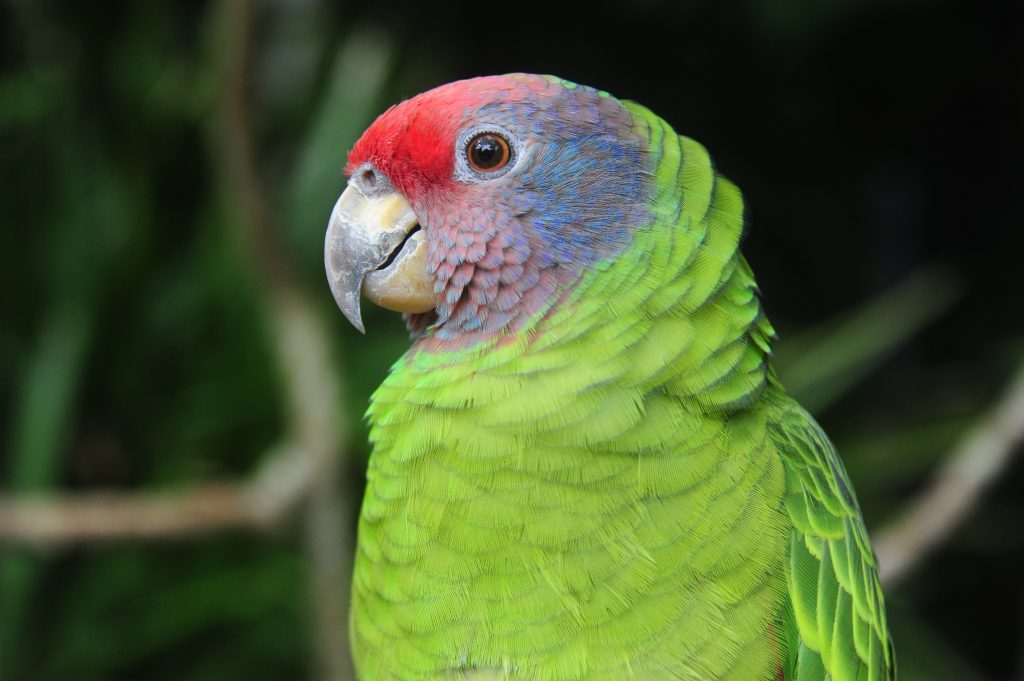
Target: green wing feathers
836,626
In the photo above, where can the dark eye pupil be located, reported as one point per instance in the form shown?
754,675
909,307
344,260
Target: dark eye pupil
487,152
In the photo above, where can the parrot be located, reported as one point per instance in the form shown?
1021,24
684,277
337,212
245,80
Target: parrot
585,466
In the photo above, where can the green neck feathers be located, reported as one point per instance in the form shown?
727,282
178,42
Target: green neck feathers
679,310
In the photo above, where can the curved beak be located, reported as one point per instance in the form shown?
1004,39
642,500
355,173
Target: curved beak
375,245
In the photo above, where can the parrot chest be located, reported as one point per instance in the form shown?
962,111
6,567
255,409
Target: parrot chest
646,546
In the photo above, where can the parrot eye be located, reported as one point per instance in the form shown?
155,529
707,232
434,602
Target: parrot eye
488,152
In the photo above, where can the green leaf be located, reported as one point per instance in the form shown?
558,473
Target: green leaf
820,365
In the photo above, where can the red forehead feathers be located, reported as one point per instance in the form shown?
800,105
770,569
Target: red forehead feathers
412,142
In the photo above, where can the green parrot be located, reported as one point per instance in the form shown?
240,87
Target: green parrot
585,466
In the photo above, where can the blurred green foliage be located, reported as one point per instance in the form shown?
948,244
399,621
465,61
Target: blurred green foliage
134,349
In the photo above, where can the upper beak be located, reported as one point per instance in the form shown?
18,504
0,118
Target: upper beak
375,245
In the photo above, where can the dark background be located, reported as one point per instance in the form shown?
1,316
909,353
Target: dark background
878,144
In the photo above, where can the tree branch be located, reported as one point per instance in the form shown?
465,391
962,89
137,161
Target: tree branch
258,503
313,394
971,468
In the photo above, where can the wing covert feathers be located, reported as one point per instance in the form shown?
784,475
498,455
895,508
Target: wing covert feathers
837,622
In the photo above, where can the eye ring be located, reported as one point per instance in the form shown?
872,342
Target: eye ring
488,152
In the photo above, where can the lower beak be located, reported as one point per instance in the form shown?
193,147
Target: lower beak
375,245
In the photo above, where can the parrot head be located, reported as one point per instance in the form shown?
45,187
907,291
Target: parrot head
474,206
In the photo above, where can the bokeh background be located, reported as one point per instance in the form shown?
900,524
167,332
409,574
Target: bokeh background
181,443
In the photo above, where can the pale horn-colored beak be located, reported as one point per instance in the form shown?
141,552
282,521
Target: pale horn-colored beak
375,245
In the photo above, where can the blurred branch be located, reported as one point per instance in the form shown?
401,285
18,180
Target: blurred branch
199,509
233,148
327,545
313,394
959,484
